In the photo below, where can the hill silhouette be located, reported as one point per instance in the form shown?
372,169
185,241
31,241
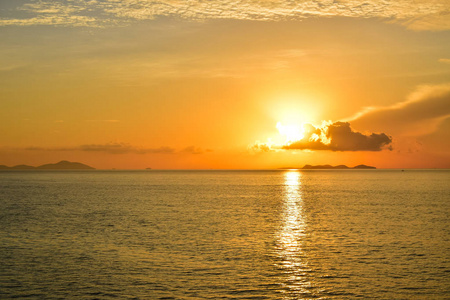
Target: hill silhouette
330,167
339,167
62,165
363,167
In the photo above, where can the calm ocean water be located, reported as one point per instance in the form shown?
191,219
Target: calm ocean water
347,234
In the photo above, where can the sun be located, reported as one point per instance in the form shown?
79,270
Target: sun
292,133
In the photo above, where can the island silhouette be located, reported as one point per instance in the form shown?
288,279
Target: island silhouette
330,167
62,165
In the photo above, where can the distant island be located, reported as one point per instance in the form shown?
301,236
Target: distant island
341,167
330,167
62,165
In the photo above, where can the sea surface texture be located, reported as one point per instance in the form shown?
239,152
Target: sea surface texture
341,234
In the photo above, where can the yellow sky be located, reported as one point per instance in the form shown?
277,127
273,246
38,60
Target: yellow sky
171,85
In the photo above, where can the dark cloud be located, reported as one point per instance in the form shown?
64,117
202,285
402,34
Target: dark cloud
33,148
259,147
123,148
110,148
339,136
192,150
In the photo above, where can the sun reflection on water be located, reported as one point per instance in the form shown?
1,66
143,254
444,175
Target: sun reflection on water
290,240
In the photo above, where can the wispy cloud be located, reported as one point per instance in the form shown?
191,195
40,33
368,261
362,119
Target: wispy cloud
420,114
192,150
104,121
423,15
12,67
122,148
62,13
110,148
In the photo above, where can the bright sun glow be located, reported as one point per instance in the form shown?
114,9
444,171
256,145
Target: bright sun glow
291,132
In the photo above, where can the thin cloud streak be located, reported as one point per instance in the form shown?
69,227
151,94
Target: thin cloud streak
110,148
423,15
104,121
122,148
192,150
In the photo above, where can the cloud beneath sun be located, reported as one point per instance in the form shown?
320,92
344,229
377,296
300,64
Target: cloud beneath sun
333,136
423,15
339,136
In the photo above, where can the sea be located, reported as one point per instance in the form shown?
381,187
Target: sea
275,234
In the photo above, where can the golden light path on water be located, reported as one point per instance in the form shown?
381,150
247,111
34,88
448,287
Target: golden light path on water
290,240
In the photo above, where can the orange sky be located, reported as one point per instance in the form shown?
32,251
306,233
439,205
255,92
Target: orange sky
177,85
